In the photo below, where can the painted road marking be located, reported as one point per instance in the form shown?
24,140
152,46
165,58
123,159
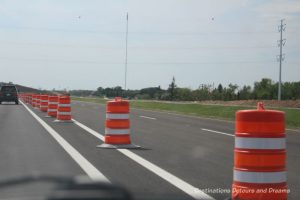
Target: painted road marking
87,167
147,117
222,133
172,179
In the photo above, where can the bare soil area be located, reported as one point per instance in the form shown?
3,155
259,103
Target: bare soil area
268,103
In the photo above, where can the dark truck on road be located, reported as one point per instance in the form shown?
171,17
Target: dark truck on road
8,93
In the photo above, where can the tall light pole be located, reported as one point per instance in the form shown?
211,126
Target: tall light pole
281,43
125,85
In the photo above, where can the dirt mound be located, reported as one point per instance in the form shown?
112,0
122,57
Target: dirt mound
270,103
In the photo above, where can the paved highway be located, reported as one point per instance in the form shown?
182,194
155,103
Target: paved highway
27,148
179,154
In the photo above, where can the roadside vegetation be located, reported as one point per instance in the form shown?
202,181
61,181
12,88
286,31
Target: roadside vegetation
173,98
266,89
194,109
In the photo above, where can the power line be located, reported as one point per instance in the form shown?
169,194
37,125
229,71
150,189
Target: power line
95,31
134,47
46,60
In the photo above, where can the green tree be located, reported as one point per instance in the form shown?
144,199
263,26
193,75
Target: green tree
263,89
100,92
172,89
245,93
296,90
152,92
230,92
184,94
202,93
220,88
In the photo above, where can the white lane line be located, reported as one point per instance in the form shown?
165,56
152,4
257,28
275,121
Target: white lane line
177,182
87,167
91,131
147,117
222,133
172,179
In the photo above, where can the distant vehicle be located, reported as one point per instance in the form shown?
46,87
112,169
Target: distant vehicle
9,93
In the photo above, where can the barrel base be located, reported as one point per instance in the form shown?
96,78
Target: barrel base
63,121
118,146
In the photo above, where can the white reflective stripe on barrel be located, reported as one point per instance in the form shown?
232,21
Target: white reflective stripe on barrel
52,103
110,131
64,105
259,143
64,113
44,101
52,110
42,106
117,116
259,177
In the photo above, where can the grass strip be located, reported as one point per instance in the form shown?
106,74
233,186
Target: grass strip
292,116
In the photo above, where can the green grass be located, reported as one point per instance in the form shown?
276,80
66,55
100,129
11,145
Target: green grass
209,111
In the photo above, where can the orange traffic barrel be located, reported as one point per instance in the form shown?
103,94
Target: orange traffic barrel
30,99
34,99
117,125
23,97
52,106
38,101
64,109
260,155
44,103
26,98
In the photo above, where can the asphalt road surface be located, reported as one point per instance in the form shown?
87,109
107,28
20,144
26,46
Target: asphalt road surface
179,155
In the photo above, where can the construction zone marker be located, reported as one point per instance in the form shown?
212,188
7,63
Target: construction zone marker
117,125
260,155
64,109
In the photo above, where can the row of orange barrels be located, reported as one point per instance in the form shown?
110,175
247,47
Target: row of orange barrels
55,106
259,171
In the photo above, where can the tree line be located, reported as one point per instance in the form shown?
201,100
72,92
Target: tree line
265,89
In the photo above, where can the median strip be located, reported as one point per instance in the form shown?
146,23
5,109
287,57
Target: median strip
219,112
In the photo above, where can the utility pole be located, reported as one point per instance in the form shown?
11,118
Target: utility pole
125,85
281,56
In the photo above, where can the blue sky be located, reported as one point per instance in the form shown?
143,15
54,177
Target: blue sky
80,44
